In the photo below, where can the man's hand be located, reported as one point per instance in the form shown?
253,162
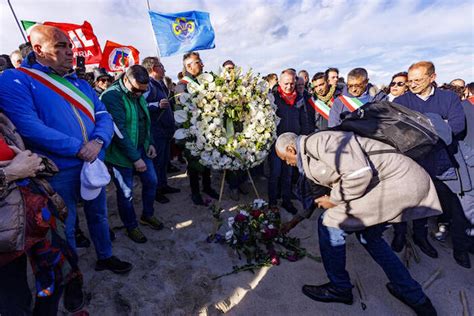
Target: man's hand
164,104
24,165
324,202
140,165
90,151
151,152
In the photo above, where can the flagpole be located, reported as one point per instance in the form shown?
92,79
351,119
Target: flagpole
18,23
157,48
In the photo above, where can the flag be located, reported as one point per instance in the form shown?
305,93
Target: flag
182,32
83,39
117,57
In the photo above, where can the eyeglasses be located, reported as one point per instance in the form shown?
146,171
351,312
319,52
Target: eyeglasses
359,85
400,84
194,62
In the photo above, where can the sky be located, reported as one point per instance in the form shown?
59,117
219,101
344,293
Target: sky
383,36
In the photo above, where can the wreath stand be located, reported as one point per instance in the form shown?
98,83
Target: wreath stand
221,190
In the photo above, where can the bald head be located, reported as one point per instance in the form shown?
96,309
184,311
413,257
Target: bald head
52,48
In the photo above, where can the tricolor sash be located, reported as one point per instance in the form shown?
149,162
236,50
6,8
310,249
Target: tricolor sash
187,79
351,103
65,89
320,107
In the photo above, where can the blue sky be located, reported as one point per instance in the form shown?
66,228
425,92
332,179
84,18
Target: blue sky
383,36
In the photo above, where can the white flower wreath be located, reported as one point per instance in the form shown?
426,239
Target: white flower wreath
227,120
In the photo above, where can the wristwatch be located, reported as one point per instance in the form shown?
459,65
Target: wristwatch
99,141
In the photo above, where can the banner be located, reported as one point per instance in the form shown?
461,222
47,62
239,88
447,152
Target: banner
182,32
83,39
117,57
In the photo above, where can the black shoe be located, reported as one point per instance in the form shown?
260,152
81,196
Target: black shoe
462,258
160,198
136,235
113,264
289,207
425,247
425,309
234,194
74,298
197,199
169,190
212,193
328,293
398,242
172,168
81,240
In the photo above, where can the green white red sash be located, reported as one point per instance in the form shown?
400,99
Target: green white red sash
320,107
351,103
65,89
187,79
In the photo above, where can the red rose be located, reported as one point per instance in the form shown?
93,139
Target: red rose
256,213
240,218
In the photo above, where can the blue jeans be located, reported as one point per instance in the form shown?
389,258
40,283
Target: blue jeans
123,180
67,183
161,161
280,177
332,244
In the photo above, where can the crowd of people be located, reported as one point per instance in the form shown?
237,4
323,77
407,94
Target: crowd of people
65,134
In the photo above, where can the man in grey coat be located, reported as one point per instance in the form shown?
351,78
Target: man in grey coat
371,185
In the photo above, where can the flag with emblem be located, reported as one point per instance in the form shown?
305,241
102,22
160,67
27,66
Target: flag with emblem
84,41
182,32
118,57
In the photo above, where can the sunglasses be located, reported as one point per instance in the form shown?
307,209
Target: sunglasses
400,84
135,90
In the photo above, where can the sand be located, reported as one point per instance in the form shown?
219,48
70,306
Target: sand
173,271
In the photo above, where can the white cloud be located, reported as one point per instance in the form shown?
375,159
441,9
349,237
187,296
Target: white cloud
383,36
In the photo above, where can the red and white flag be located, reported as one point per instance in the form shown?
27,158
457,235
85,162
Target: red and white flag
117,57
83,39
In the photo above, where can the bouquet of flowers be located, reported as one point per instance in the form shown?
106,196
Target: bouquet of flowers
255,232
228,120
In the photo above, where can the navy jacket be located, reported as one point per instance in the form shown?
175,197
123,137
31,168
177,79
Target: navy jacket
289,115
162,120
440,161
307,114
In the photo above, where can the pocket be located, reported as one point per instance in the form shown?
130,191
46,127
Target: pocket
467,153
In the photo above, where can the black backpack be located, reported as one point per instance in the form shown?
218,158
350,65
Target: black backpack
410,132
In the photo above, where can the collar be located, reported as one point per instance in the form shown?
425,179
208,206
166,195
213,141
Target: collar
428,96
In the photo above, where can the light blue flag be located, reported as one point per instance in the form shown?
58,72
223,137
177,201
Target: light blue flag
182,32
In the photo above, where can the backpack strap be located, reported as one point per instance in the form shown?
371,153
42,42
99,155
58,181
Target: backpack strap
383,151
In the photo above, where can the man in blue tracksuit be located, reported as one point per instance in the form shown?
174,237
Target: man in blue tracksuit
356,93
59,116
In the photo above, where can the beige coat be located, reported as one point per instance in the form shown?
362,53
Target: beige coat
368,190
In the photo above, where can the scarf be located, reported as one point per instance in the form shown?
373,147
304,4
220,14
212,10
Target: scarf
289,98
327,98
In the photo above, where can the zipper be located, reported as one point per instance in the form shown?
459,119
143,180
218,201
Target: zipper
81,124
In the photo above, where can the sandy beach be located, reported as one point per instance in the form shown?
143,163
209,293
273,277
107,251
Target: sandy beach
173,272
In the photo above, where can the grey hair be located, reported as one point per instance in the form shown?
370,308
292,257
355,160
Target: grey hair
285,140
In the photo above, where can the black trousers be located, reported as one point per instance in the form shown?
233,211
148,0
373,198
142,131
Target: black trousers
15,295
453,212
194,176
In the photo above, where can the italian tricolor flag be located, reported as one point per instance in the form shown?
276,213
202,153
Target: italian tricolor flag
28,26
